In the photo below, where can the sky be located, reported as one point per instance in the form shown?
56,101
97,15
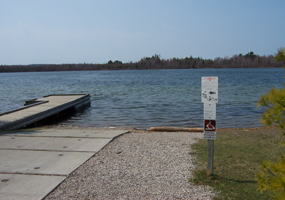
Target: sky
96,31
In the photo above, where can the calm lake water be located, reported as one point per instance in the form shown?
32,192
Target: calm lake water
145,98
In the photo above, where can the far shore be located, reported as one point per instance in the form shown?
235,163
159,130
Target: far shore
249,60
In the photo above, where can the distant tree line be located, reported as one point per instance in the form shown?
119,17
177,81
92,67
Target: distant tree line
249,60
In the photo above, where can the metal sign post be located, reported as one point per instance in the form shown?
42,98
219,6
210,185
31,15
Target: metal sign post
209,96
210,166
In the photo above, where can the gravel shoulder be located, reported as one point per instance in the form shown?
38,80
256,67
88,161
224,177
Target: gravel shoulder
137,165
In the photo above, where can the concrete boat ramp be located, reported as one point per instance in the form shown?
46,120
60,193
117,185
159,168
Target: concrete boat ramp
34,162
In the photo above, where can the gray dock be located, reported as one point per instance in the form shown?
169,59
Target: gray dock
36,110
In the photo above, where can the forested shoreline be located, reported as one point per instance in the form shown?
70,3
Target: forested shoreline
249,60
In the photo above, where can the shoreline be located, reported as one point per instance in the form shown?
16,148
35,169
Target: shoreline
19,71
67,126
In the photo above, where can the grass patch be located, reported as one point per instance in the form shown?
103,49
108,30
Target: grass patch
237,158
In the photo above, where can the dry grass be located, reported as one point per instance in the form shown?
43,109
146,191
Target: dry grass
238,156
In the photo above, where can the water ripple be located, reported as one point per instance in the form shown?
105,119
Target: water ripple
148,97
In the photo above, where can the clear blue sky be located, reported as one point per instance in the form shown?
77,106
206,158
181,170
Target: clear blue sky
96,31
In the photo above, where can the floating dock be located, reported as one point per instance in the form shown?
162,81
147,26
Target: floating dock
49,107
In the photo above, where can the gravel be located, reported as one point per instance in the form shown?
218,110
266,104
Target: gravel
137,165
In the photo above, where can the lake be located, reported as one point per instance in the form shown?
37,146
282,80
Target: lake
145,98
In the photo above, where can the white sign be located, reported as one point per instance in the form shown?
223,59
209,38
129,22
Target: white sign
210,129
210,111
210,82
210,135
209,90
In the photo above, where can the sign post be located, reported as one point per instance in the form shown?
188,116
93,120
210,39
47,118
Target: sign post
209,96
210,166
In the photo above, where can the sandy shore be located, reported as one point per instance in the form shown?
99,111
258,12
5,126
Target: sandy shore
137,165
